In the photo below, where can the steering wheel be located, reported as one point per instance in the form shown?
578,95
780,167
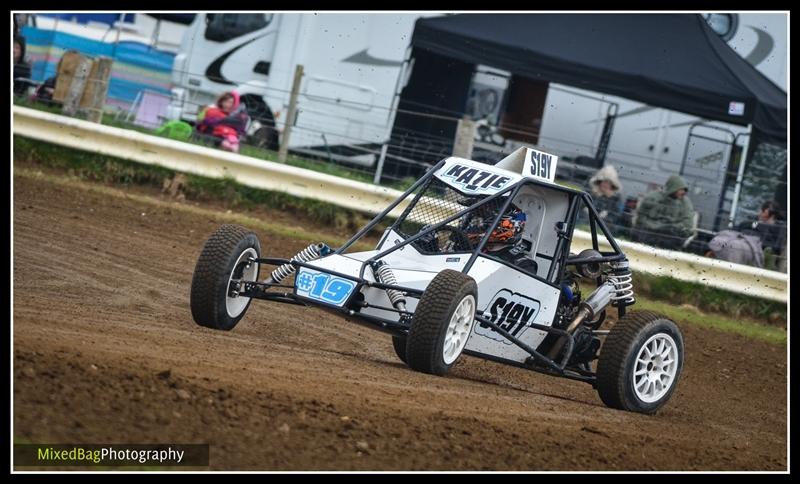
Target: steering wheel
431,243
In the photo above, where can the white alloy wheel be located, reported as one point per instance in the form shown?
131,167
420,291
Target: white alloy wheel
459,328
655,368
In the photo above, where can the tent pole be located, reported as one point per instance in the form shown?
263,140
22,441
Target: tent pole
49,49
605,136
398,87
737,191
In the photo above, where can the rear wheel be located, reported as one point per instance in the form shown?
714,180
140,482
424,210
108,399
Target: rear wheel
399,344
227,256
266,136
640,362
442,322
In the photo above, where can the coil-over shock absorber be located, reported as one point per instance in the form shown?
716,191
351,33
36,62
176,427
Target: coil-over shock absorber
313,251
384,275
622,279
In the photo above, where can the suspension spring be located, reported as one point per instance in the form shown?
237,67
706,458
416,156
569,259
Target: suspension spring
385,275
622,278
313,251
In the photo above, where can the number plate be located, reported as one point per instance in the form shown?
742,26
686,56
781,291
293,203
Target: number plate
323,287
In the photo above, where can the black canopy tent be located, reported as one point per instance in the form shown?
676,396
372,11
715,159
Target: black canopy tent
178,18
674,61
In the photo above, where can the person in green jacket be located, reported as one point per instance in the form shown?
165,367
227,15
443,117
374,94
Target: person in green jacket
664,218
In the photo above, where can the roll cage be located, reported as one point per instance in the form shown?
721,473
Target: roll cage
503,198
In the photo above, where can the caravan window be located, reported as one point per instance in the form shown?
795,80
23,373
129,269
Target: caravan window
223,27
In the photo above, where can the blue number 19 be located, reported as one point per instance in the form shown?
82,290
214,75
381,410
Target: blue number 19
337,291
320,280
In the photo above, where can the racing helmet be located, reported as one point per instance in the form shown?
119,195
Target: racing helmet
509,231
506,234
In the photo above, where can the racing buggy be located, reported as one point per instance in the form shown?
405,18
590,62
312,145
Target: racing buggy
475,259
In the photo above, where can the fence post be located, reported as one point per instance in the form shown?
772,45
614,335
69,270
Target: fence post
94,94
465,138
71,81
379,169
287,129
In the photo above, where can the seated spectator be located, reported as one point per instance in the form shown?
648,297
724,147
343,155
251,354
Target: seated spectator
44,92
768,226
753,243
22,70
604,187
626,217
664,218
226,121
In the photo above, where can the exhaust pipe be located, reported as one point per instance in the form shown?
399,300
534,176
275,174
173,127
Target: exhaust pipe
592,306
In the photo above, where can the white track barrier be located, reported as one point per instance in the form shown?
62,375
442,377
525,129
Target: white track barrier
252,172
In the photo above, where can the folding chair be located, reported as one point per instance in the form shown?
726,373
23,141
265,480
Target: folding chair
148,109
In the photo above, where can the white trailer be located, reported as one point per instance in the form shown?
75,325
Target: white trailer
352,65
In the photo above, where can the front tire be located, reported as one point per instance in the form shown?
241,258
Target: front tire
442,322
640,362
225,257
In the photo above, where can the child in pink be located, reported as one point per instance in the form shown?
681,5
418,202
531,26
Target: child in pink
227,121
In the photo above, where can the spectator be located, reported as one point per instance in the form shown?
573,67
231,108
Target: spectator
664,218
22,70
604,187
752,243
626,217
226,121
768,227
44,93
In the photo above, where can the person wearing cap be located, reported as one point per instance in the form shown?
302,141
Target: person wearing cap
604,186
664,218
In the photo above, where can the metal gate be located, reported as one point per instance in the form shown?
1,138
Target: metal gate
705,168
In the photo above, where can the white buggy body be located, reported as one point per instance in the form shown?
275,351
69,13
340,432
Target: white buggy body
478,262
509,297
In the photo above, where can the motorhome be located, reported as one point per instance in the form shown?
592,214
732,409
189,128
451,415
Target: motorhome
352,64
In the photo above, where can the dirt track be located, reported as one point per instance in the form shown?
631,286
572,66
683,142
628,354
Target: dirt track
106,351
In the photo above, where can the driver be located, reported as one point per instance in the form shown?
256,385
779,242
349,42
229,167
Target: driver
505,242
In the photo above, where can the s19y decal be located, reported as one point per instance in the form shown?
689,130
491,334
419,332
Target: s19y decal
510,311
540,165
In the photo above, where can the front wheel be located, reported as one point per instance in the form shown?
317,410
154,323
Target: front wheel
442,322
640,362
228,256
